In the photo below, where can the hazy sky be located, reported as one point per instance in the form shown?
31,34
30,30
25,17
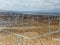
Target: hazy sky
29,5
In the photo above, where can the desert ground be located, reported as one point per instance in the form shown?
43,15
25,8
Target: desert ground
32,34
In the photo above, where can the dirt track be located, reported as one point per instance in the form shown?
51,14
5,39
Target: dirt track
10,39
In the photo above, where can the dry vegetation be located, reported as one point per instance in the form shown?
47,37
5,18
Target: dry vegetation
37,29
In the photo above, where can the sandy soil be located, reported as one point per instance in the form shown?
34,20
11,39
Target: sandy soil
37,29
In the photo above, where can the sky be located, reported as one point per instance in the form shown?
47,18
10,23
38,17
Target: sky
30,5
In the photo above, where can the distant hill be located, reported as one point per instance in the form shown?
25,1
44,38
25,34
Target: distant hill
3,10
54,11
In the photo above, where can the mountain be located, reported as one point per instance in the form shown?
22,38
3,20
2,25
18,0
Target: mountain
53,11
